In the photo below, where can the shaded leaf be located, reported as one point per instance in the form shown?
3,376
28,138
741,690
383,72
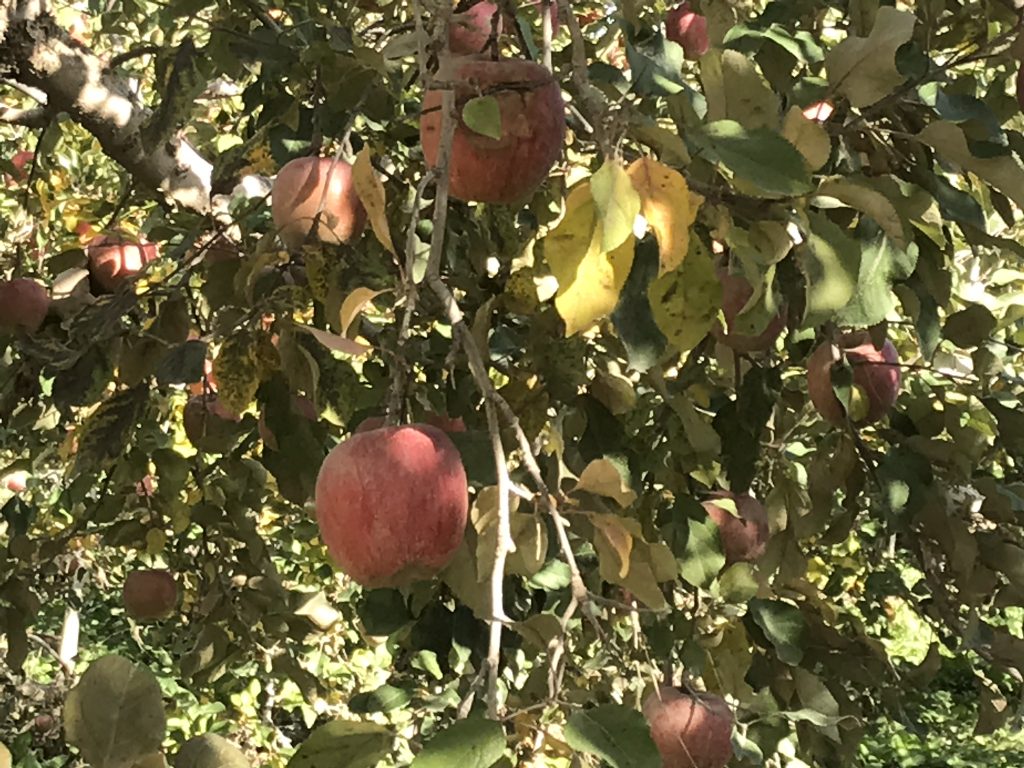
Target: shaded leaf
210,751
343,744
762,163
783,625
603,478
686,301
471,743
115,715
970,327
482,115
863,69
613,733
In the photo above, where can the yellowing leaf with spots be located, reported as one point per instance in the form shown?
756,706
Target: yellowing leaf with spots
371,193
669,207
589,279
685,302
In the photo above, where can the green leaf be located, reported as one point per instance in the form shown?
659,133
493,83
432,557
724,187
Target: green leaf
881,263
108,430
655,65
632,316
830,261
863,69
482,115
472,743
737,584
736,90
617,201
383,699
182,365
970,327
703,558
115,715
762,162
613,733
783,625
343,744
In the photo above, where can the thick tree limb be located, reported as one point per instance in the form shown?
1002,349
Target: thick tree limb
34,117
36,53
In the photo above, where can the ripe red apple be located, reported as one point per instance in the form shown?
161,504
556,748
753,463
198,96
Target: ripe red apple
296,195
470,30
115,259
150,594
23,304
301,406
509,169
876,376
736,292
689,731
743,536
204,415
689,29
392,503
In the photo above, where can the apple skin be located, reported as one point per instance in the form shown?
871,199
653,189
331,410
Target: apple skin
736,292
689,731
506,170
876,371
295,199
470,30
745,537
23,304
150,594
204,414
392,504
113,260
689,29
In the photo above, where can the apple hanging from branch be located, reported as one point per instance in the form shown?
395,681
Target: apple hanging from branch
296,197
743,535
150,595
690,731
507,168
392,503
23,304
876,379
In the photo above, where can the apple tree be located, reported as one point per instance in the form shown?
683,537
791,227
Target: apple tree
541,383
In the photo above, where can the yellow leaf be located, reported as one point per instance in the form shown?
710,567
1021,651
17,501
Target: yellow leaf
589,279
685,302
618,203
808,137
669,207
371,193
620,541
601,477
353,305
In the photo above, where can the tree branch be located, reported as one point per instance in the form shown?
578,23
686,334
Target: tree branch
39,55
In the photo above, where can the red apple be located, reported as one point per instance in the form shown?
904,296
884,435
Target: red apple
689,731
115,259
470,30
150,594
205,415
509,169
689,29
736,292
296,197
743,536
23,304
392,504
876,376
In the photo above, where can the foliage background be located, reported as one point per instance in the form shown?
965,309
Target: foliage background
884,624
